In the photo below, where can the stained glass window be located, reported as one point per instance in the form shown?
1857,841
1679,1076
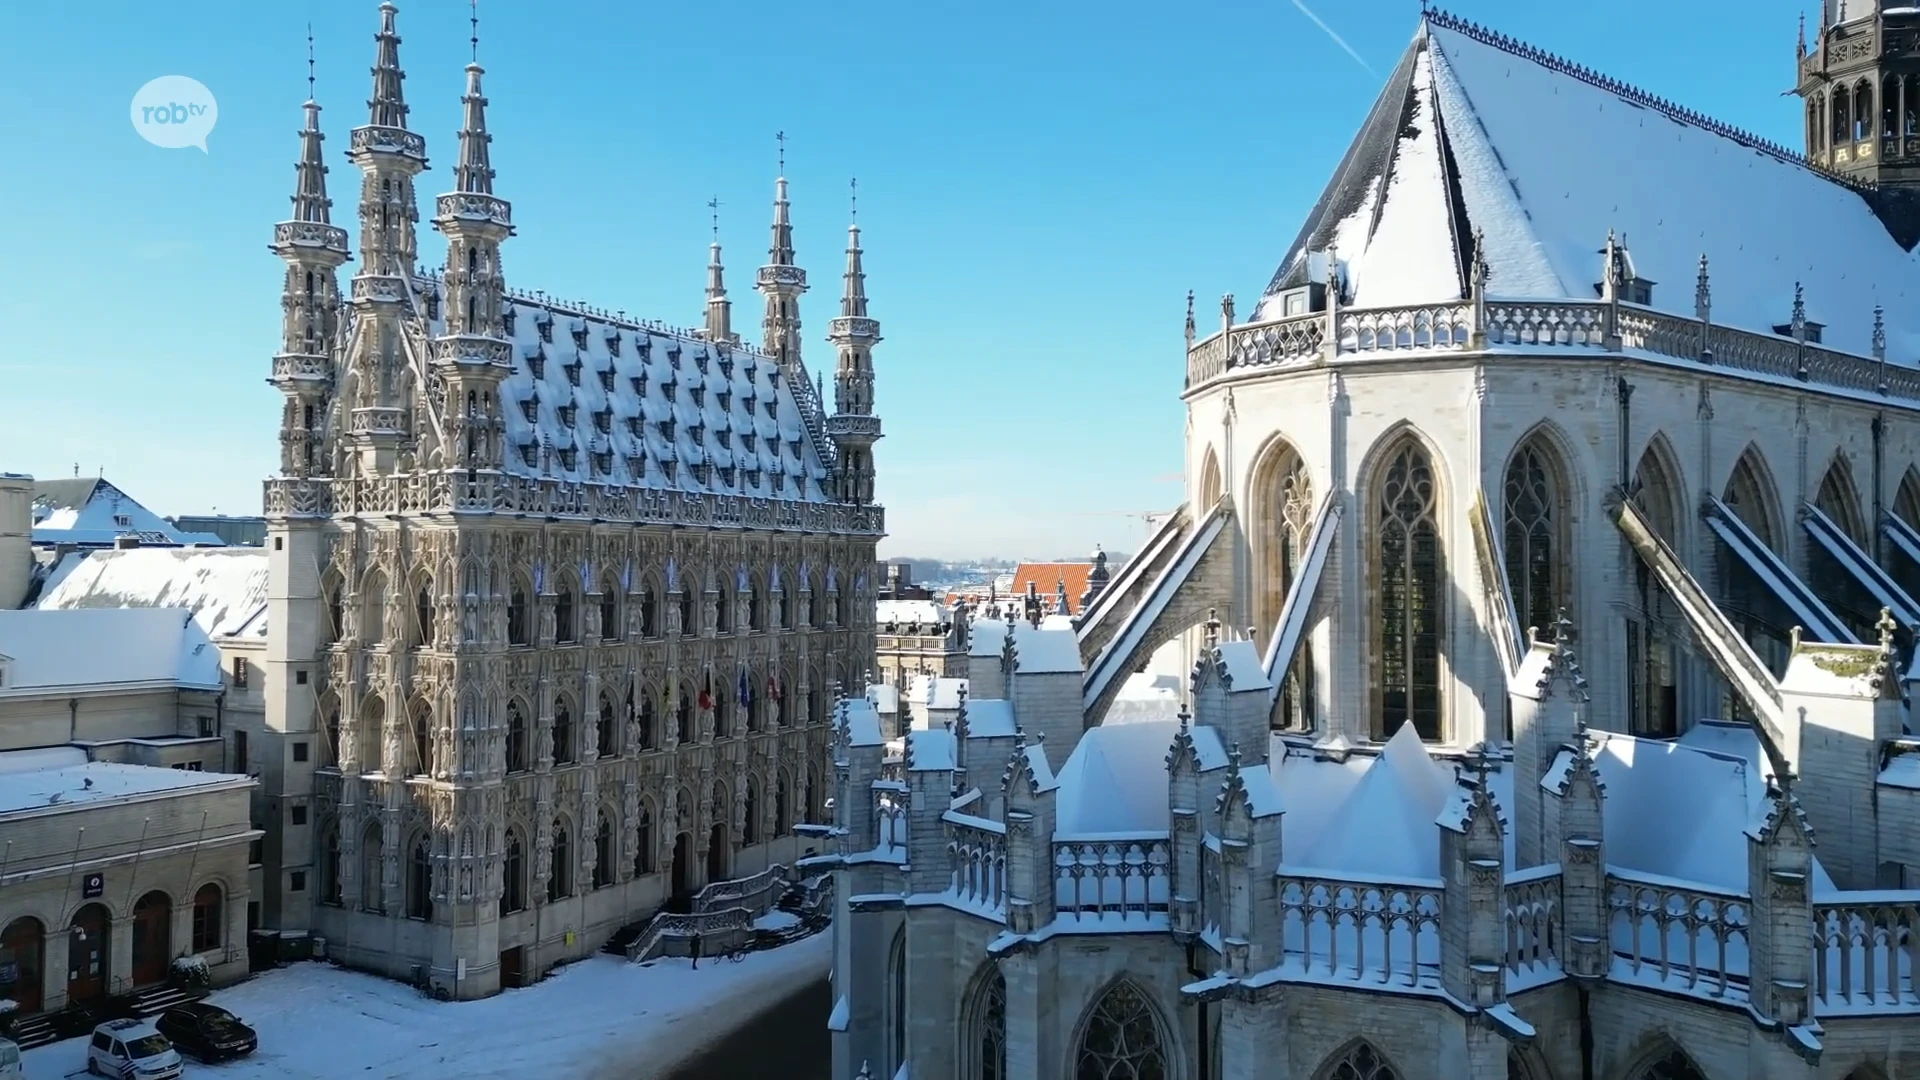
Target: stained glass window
1407,631
1122,1039
1363,1062
1531,539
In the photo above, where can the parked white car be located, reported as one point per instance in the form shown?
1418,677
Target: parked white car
132,1050
10,1061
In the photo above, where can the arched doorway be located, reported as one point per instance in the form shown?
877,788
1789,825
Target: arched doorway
682,864
22,951
717,854
87,955
152,938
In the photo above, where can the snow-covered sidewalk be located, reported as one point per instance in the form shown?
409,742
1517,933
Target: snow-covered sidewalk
599,1018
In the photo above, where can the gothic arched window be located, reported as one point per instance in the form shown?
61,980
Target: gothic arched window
1407,627
1122,1039
372,867
1906,500
560,881
723,612
1652,696
649,612
373,719
421,725
687,626
1672,1065
420,881
513,875
609,612
516,738
1746,496
1836,500
986,1040
330,863
563,629
782,814
750,811
649,724
1360,1062
373,607
604,731
423,613
603,852
897,1001
756,608
683,717
517,616
1293,501
562,733
643,842
1530,538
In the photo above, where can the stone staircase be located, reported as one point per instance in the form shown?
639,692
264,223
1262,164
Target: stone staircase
155,1000
32,1031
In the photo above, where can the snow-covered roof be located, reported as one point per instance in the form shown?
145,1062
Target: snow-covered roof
1046,650
606,400
1543,159
225,588
1240,663
1680,809
929,749
885,698
1385,825
862,721
88,510
989,718
1145,696
96,781
1903,767
926,613
1116,780
106,648
1036,758
984,637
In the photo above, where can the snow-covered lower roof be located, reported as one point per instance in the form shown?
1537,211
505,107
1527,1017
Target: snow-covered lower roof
1145,696
105,649
1903,767
989,718
1680,809
885,698
984,637
1116,780
95,782
925,613
225,588
594,397
929,749
862,721
1476,134
1385,825
1046,650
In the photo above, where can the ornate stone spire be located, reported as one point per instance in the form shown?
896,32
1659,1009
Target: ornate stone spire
853,427
719,321
471,352
780,281
388,106
313,249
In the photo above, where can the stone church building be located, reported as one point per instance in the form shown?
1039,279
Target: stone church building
559,598
1567,475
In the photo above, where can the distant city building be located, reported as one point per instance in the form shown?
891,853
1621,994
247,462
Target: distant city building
918,637
247,531
1068,586
90,512
897,583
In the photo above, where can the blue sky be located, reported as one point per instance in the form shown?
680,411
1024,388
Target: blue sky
1040,185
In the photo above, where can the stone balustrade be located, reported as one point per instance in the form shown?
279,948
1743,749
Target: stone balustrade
1867,952
1383,931
1678,935
1100,874
977,851
1531,910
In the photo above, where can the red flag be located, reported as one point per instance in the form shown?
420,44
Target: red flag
706,692
773,689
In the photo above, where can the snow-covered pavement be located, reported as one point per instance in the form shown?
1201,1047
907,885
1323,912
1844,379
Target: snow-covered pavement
600,1019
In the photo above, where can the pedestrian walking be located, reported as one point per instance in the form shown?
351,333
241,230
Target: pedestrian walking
695,946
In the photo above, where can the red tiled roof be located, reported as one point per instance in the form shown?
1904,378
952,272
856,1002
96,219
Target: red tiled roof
1047,576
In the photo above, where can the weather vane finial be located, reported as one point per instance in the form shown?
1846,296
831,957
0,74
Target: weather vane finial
473,26
853,185
309,61
713,204
780,137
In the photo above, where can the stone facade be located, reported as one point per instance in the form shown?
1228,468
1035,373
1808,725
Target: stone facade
565,647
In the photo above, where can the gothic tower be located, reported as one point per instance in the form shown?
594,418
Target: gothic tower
314,249
853,427
471,354
1860,81
781,282
378,382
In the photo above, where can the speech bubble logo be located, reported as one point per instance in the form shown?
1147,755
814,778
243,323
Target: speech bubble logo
175,112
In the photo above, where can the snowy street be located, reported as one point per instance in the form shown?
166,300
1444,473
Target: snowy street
600,1019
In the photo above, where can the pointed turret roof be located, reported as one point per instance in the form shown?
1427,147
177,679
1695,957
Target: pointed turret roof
719,308
310,202
853,294
473,172
781,251
388,106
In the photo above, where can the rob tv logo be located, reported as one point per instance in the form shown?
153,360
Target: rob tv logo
174,112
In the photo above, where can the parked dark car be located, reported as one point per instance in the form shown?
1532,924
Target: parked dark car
208,1032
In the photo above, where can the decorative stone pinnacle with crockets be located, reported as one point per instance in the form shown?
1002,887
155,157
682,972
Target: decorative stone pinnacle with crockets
1213,628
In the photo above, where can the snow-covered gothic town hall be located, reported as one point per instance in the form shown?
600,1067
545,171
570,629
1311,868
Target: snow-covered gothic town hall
1550,567
560,596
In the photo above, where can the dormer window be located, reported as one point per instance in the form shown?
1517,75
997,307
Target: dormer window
531,408
773,377
569,458
666,429
603,462
668,469
726,476
726,401
779,483
700,361
433,304
567,413
636,466
671,389
746,440
1814,330
603,421
573,372
123,521
606,380
696,431
633,426
752,369
530,453
613,344
579,337
753,477
537,363
545,325
700,473
639,383
673,354
793,445
507,319
772,405
726,365
700,398
644,345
